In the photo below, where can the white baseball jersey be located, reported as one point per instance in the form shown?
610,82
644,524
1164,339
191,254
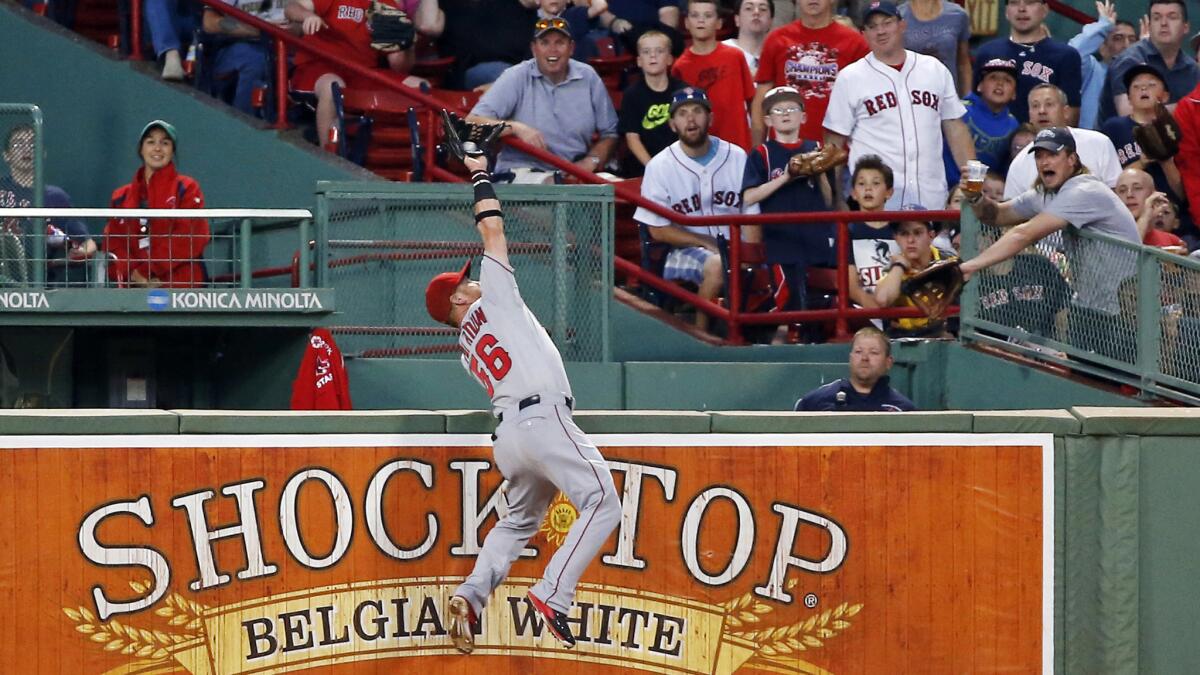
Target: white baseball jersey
898,115
504,346
693,189
1095,150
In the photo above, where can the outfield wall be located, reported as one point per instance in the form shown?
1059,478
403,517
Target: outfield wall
949,542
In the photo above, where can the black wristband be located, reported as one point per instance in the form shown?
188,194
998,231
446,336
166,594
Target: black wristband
488,214
483,186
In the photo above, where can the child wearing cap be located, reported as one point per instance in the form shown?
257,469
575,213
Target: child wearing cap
914,238
988,117
720,70
157,252
789,249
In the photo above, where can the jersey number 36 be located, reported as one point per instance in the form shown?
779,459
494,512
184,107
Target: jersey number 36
490,359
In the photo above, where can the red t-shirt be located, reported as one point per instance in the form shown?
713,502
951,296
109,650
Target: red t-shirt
809,60
1161,239
726,78
346,33
1187,114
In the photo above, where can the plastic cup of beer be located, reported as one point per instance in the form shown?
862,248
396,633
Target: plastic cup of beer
976,170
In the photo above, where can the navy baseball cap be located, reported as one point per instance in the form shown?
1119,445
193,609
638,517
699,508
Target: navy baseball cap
689,95
932,225
1054,139
999,65
881,7
1143,69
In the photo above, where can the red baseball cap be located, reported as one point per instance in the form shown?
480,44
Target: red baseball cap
439,290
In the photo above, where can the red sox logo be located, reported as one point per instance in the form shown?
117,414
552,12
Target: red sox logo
888,100
1037,70
811,68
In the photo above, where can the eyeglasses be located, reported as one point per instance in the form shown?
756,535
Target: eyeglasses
786,111
554,22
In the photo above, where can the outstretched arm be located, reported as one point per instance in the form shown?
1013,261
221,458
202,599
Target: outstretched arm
488,218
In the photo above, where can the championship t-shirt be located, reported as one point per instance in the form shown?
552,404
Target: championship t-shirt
809,60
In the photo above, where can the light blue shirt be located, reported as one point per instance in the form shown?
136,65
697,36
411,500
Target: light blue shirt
1089,39
567,114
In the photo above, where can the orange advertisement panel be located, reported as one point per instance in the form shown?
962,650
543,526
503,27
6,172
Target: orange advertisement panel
749,553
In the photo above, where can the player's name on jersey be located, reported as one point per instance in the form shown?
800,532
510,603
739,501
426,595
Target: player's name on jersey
247,300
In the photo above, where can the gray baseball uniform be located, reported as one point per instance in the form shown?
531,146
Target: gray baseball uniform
537,447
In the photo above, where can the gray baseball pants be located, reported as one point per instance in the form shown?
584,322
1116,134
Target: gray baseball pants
540,451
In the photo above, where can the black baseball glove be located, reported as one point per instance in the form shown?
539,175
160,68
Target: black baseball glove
936,287
391,29
1159,138
465,139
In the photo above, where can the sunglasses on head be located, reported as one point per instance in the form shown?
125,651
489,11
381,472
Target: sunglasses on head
551,22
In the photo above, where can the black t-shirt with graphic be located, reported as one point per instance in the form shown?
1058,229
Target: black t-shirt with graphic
1028,296
646,112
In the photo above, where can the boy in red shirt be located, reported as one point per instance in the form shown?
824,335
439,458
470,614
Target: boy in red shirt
718,69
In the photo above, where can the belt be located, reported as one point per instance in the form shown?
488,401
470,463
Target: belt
536,399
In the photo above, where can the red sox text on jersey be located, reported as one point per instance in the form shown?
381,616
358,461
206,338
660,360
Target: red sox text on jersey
886,100
720,198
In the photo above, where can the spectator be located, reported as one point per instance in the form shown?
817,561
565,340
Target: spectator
339,27
993,186
871,242
645,116
988,117
68,243
628,19
1048,109
552,102
1067,195
899,105
170,23
1187,114
868,389
580,17
485,37
768,183
239,54
1164,50
1098,43
1145,88
1040,59
806,54
941,29
914,238
702,175
1025,292
720,70
1153,212
1021,138
753,20
157,251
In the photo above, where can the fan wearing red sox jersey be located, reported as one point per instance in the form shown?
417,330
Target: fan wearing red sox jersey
697,175
899,105
537,446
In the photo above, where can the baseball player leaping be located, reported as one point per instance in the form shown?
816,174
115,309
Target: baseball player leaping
537,446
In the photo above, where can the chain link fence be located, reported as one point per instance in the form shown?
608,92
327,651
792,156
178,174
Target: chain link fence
379,245
1094,303
21,187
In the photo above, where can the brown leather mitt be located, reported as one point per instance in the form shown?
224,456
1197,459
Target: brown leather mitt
936,287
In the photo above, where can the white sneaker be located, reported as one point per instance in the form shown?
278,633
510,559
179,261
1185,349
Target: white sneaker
172,67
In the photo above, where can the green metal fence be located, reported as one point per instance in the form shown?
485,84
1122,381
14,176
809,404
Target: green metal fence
1093,303
379,244
21,186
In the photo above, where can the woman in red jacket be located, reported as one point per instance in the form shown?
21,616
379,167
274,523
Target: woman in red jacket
157,251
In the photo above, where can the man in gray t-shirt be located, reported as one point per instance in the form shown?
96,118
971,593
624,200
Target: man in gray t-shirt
1066,198
1064,195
